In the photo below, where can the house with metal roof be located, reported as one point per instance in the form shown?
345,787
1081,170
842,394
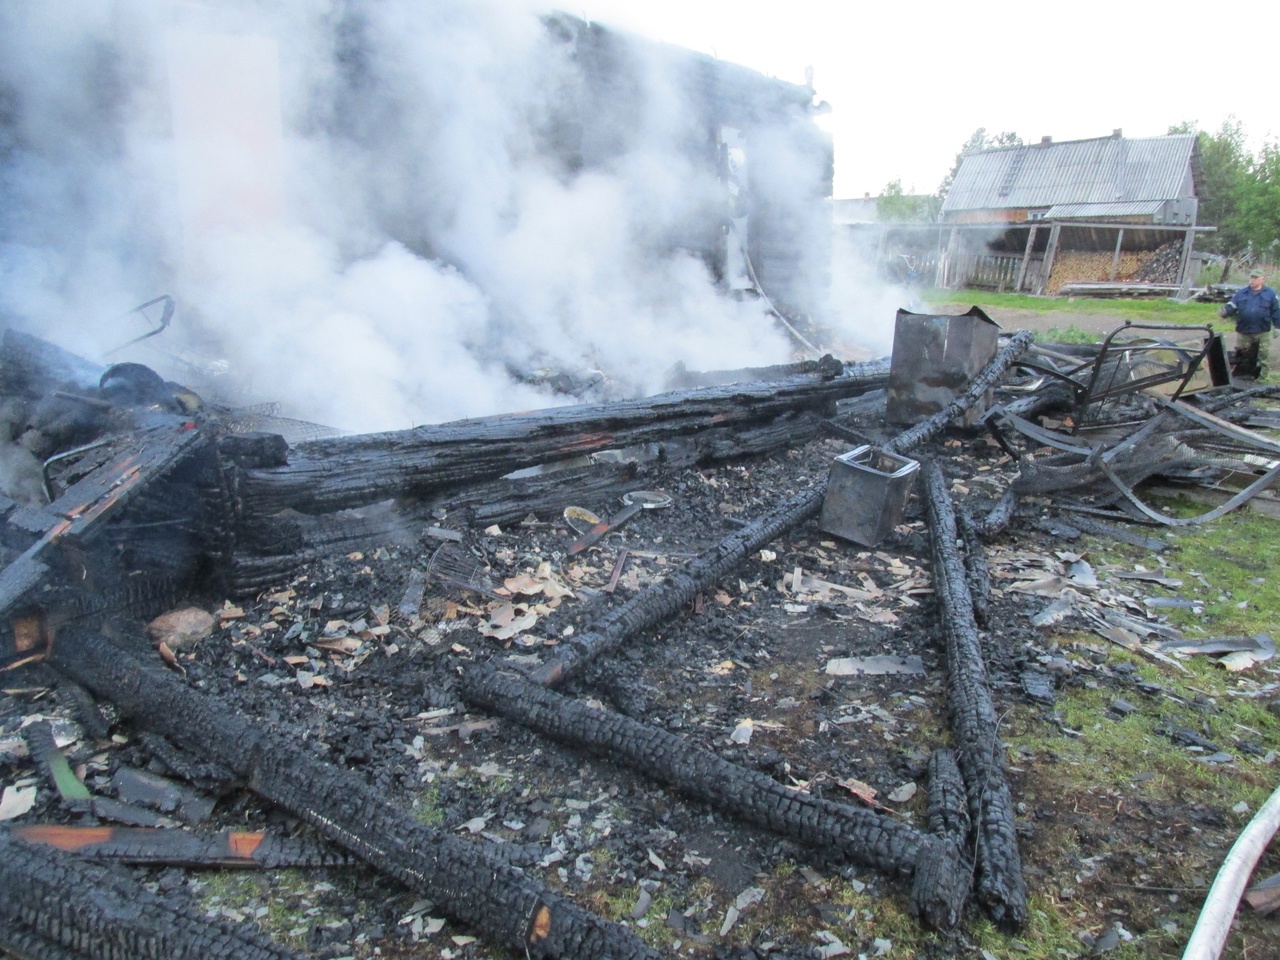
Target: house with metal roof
1137,180
1056,217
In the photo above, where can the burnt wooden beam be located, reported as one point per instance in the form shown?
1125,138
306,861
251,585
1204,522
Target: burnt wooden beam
465,880
85,508
664,599
157,846
342,472
857,834
948,802
53,905
1001,889
274,549
682,378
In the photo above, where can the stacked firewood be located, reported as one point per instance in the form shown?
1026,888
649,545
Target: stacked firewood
1077,266
1162,265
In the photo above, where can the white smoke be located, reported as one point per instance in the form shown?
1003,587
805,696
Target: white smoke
351,203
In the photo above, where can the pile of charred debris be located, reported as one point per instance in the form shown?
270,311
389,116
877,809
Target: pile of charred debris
558,680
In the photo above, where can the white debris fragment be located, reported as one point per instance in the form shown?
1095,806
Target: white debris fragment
742,732
903,793
16,801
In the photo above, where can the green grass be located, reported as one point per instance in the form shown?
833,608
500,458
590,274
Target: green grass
1229,564
1139,311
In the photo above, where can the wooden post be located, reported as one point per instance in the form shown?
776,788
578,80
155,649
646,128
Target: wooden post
1026,258
939,269
1047,269
1184,281
1115,260
953,247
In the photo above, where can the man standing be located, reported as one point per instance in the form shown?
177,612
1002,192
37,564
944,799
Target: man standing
1257,316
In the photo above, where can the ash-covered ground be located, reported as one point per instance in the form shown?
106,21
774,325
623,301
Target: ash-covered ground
344,664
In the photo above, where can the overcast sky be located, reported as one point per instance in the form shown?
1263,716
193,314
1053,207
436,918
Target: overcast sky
910,81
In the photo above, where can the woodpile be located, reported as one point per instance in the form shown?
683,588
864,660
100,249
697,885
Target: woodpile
1162,265
1081,266
1075,266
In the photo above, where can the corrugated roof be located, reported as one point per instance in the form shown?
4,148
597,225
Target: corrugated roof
1102,211
1106,170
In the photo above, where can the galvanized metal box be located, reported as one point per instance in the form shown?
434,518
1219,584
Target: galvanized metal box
935,356
866,494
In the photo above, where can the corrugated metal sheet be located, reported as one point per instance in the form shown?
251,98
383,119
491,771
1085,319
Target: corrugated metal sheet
1106,170
1102,211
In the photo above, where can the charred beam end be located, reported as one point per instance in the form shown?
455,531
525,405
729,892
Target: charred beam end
468,883
941,880
1001,888
664,599
52,905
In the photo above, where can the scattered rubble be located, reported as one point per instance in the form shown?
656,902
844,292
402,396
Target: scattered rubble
381,655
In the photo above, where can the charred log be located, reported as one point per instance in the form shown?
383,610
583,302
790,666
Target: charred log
999,517
165,846
664,599
1000,886
861,836
462,878
681,378
343,472
948,803
52,905
276,548
977,573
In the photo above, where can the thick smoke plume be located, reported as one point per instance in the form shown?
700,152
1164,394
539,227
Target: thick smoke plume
352,204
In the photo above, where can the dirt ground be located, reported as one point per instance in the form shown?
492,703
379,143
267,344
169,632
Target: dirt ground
1117,850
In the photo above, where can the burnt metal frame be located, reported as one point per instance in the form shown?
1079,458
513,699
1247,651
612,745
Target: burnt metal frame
1102,457
1091,390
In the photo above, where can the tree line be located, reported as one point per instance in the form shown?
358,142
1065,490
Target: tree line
1239,190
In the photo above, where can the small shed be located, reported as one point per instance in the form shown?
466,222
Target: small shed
1111,209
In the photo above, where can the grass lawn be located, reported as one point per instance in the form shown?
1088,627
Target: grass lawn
1145,311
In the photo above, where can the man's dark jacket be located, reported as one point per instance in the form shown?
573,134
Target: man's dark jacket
1255,311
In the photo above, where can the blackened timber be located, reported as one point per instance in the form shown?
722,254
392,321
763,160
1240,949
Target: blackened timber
664,599
976,569
682,378
948,804
342,472
157,846
276,548
857,834
83,509
1001,888
466,881
53,905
